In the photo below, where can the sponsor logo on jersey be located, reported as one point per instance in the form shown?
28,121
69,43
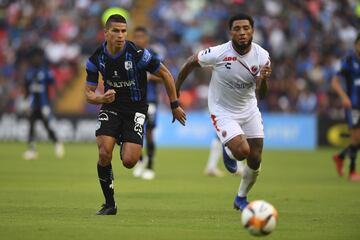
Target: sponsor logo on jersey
224,133
128,65
237,85
229,59
121,84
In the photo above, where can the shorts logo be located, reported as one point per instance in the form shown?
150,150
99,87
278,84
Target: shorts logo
139,120
128,65
103,117
98,125
224,133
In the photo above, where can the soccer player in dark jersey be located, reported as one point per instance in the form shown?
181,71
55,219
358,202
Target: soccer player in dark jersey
38,79
144,168
123,67
350,72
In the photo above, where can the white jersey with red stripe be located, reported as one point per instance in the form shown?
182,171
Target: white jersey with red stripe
233,81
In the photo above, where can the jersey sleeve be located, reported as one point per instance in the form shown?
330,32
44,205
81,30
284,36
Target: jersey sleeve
92,73
264,59
148,62
208,57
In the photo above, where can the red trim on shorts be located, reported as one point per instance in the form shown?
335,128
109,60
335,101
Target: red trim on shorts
214,122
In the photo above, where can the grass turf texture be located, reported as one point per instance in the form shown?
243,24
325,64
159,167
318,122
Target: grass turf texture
57,199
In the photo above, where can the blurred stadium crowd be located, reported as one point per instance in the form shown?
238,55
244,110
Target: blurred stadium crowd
306,40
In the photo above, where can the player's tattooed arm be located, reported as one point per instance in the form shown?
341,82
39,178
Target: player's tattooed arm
261,81
95,98
190,64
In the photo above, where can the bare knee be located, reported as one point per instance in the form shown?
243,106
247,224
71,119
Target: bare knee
128,162
241,152
105,156
128,159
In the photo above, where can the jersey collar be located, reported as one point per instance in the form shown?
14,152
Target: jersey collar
114,56
239,53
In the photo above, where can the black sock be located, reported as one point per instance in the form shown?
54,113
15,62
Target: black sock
352,154
50,131
106,182
343,153
150,152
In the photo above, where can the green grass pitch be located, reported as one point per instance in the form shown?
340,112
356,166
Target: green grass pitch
57,199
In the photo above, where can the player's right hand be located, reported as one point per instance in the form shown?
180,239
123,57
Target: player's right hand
179,114
109,96
346,102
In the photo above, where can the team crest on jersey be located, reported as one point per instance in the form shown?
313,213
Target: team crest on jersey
224,133
254,69
128,65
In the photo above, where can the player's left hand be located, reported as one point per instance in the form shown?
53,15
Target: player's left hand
265,72
179,114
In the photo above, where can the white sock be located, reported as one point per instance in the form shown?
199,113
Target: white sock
215,152
248,179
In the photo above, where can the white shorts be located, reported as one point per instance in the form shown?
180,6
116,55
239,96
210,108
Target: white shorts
227,127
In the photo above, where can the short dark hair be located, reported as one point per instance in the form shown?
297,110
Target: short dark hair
357,38
141,29
241,16
114,18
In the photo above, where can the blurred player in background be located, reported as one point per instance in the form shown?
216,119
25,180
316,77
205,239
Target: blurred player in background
240,70
211,168
145,167
350,72
124,67
216,151
38,79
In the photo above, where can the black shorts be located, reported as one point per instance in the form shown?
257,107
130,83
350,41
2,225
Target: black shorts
43,113
151,115
124,126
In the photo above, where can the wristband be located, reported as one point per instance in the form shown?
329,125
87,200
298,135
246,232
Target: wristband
174,104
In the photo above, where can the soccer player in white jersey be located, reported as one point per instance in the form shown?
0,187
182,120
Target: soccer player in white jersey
240,70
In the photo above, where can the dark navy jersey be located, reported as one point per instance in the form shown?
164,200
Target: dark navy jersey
37,82
125,73
152,87
350,72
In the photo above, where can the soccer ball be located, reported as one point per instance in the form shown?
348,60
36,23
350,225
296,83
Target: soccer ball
259,217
